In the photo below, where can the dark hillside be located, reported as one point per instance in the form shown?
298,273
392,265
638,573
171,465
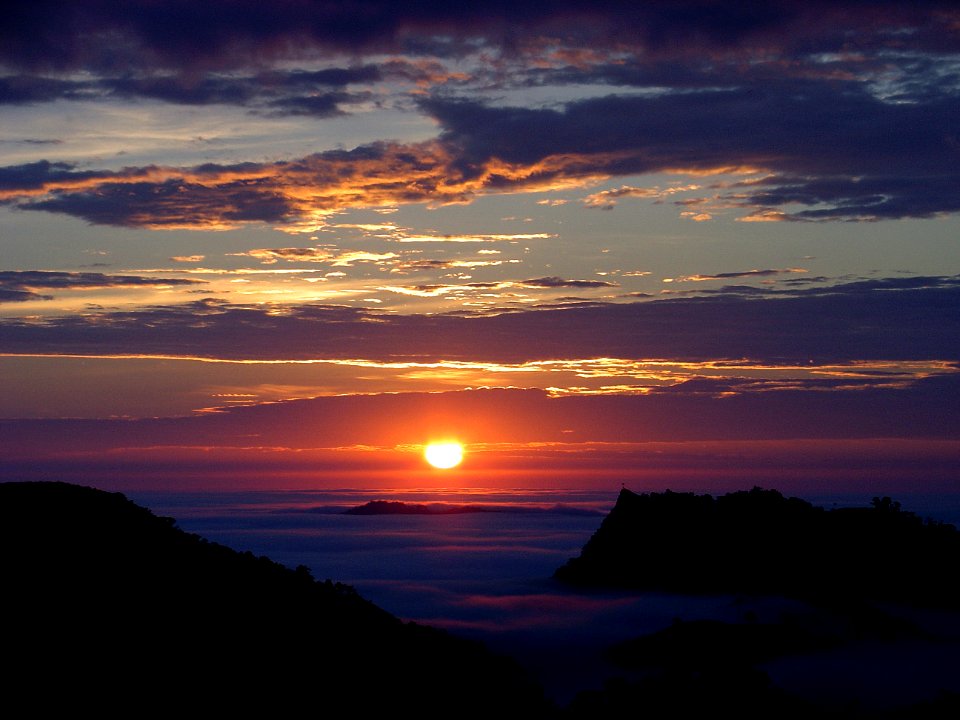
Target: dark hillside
847,564
759,541
110,608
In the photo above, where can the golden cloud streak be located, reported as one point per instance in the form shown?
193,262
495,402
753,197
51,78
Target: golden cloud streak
653,368
196,383
470,238
269,256
607,198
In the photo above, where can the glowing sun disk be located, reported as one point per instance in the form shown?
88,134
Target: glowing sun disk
443,455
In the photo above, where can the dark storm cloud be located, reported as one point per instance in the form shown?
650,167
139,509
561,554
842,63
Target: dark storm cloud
207,91
849,110
297,92
891,319
832,146
20,285
871,198
106,34
24,89
23,179
326,105
9,295
169,204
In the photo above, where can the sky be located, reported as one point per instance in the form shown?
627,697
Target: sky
286,244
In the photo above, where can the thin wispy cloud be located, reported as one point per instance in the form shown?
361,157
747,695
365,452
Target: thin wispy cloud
730,275
269,256
23,285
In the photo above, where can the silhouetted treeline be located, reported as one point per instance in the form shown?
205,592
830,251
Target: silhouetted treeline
761,542
108,608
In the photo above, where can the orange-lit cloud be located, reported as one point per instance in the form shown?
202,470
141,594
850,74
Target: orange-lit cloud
269,256
607,199
471,238
428,264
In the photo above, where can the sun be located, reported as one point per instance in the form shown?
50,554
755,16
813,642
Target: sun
443,455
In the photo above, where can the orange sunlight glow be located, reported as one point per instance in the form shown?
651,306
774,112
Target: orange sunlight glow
443,455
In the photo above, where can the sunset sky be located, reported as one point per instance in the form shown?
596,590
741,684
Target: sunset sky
287,243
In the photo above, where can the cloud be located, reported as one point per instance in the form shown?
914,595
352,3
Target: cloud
907,318
841,132
8,294
139,34
322,106
147,197
829,151
468,238
859,198
19,285
729,275
827,133
269,256
188,258
809,136
447,264
298,194
280,432
607,199
317,93
430,291
557,282
26,89
545,283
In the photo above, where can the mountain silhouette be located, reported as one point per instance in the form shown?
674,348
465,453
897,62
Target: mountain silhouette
110,608
759,541
847,564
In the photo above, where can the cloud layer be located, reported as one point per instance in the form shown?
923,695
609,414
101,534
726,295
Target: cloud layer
22,285
889,319
830,112
184,34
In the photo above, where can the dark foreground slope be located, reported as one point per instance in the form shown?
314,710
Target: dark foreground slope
859,578
761,542
108,607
